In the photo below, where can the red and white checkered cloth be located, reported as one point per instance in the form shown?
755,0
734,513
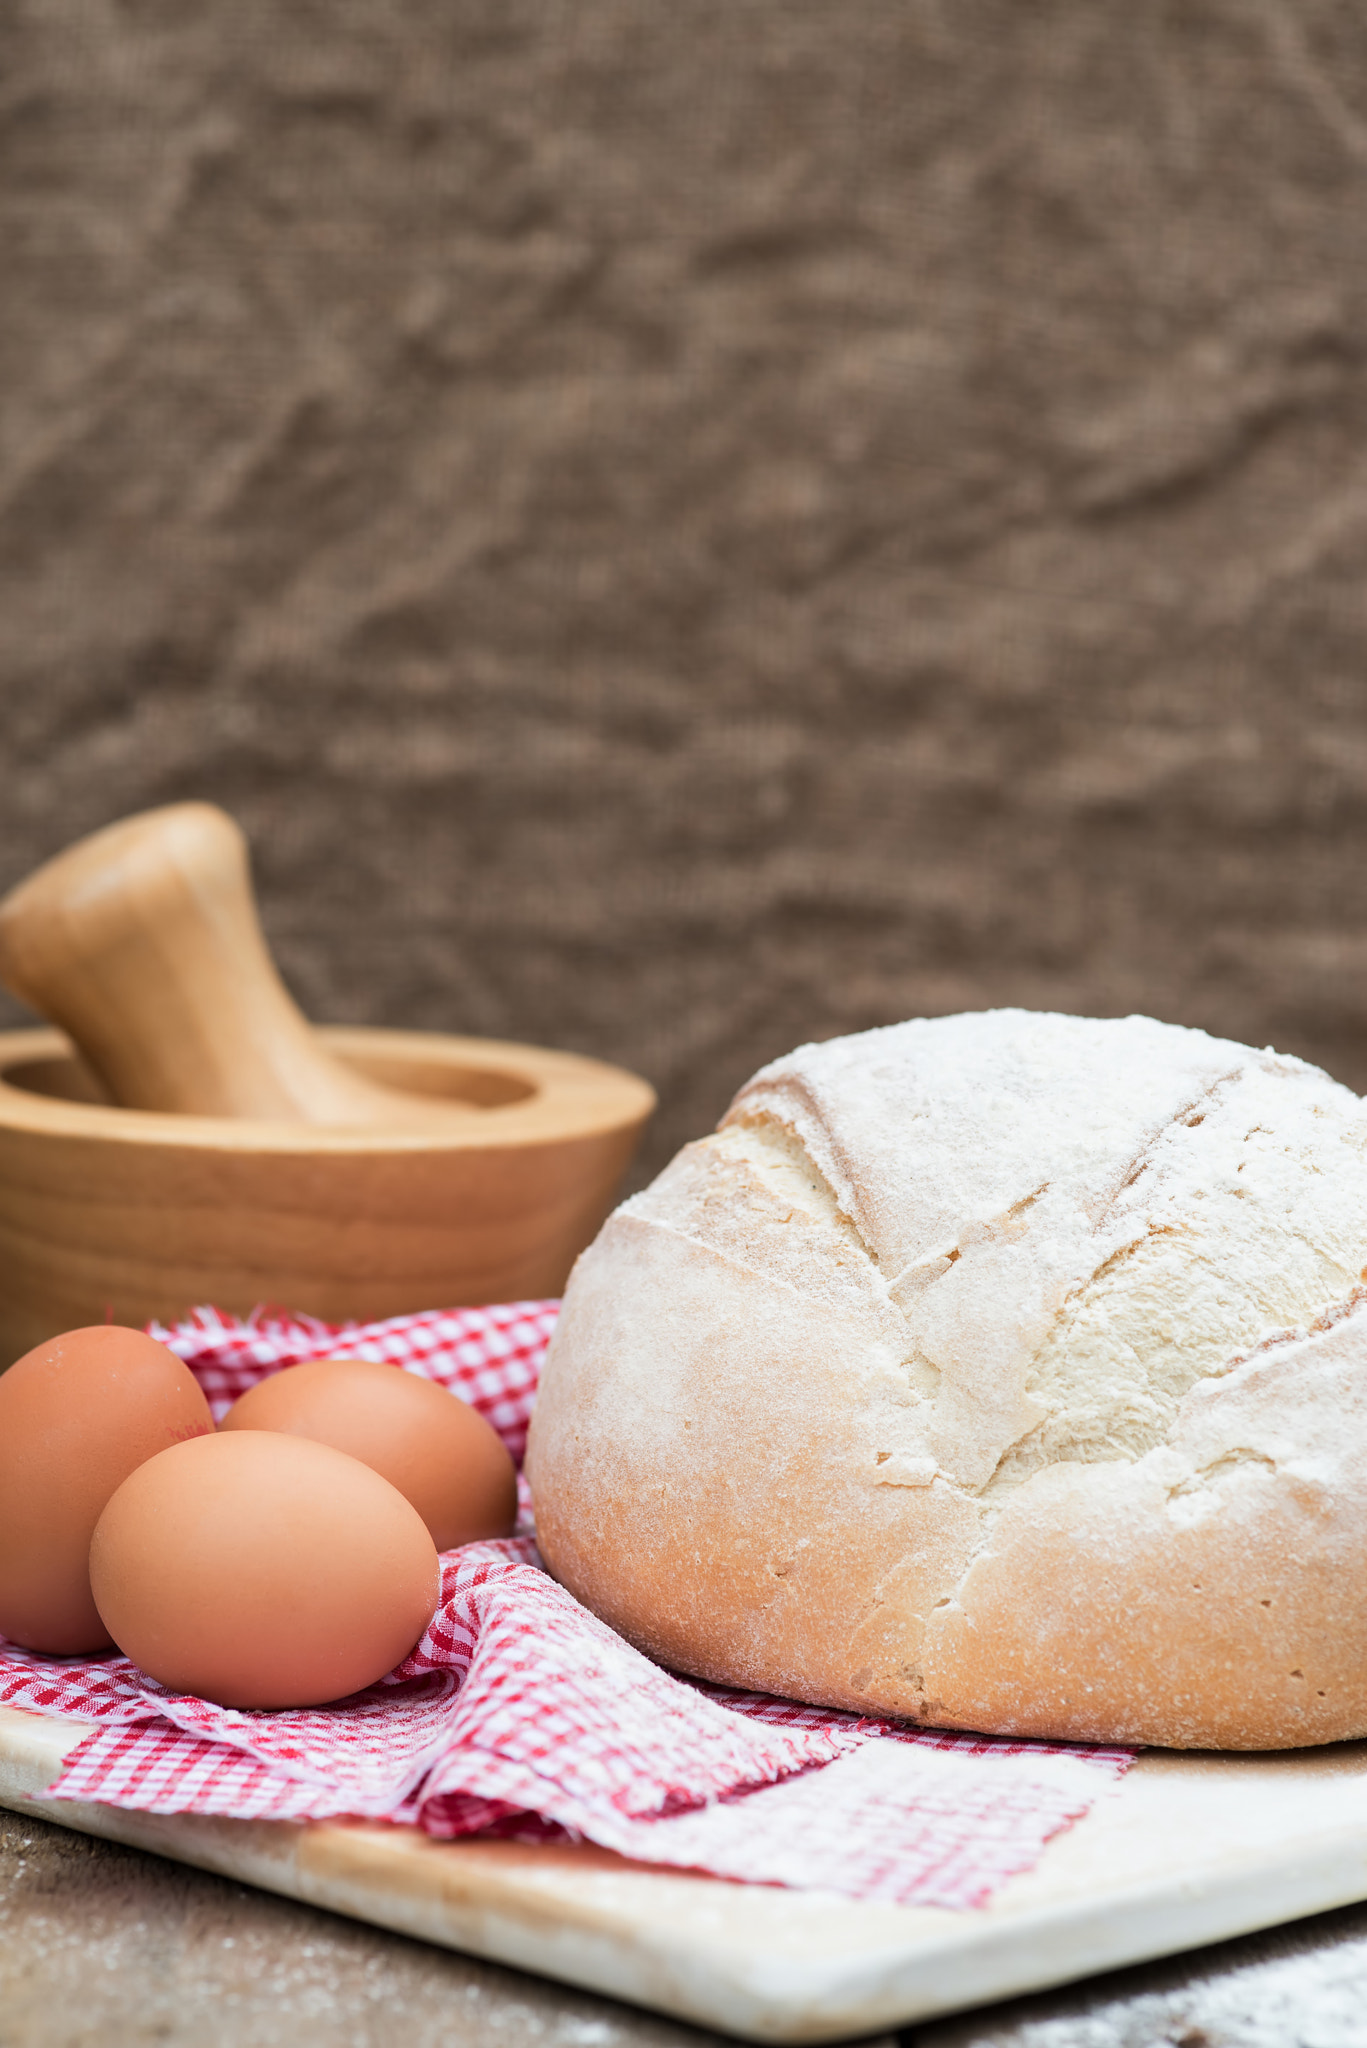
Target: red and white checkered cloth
520,1713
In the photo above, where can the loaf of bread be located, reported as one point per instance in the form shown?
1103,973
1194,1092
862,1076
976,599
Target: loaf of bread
1004,1372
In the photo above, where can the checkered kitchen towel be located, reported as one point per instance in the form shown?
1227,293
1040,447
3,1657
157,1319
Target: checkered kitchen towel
521,1714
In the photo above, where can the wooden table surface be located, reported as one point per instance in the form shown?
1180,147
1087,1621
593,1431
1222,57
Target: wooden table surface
105,1947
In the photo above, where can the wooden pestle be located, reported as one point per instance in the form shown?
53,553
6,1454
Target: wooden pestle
143,943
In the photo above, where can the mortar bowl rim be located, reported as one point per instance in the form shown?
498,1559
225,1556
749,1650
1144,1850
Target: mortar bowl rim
560,1098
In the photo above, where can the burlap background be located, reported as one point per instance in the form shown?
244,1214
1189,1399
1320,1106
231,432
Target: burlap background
679,529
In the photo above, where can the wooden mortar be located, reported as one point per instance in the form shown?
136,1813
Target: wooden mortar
390,1170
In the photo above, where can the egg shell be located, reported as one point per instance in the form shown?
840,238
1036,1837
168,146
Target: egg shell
262,1570
440,1453
77,1415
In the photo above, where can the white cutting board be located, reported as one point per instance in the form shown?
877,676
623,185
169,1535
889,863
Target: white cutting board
1186,1849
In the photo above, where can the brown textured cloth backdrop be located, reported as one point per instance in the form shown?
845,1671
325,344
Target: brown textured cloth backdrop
679,530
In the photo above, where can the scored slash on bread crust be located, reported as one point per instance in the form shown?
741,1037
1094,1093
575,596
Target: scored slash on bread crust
978,1371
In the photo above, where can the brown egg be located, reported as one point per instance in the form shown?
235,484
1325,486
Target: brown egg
262,1571
77,1415
440,1453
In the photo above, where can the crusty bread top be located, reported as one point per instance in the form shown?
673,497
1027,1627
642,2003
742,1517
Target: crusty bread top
1078,1218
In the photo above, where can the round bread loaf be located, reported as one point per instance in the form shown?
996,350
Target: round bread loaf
1004,1372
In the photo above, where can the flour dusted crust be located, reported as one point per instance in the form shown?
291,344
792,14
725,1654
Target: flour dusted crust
1004,1372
